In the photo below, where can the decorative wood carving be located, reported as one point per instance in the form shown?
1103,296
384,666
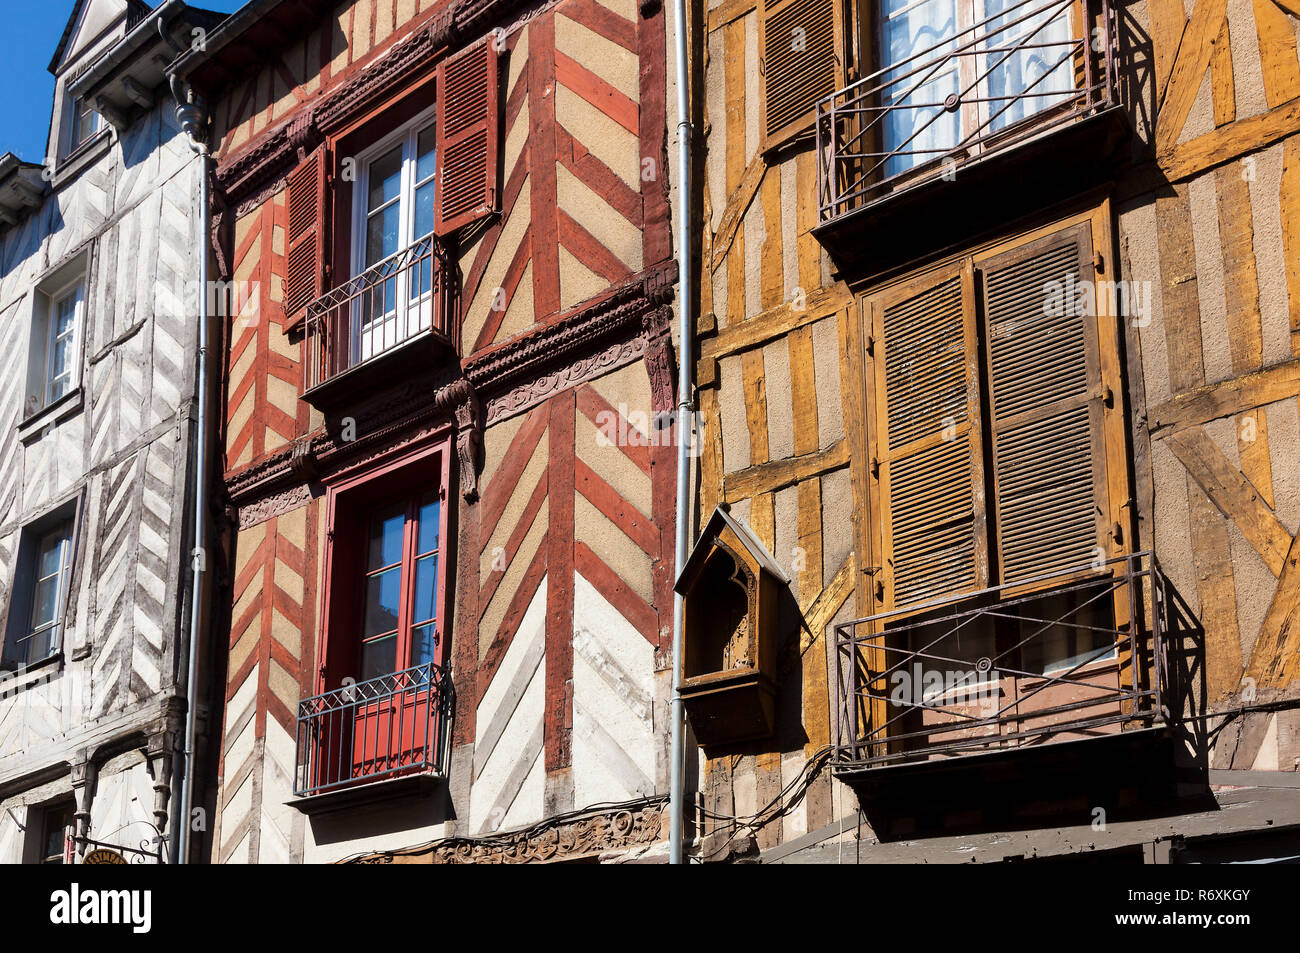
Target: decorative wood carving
615,830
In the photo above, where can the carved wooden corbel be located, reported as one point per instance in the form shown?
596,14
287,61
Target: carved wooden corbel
469,444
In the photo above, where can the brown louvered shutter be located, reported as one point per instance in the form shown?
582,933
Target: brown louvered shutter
927,456
467,137
801,43
304,278
1046,406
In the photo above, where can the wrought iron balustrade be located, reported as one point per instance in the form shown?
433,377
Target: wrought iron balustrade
380,728
1061,657
1019,72
409,293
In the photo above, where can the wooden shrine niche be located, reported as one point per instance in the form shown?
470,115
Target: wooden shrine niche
731,588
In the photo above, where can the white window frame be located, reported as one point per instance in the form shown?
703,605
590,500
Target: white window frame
64,531
403,316
73,289
72,143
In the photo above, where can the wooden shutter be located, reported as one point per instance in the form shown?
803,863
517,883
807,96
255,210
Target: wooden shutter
1046,406
927,455
468,124
304,278
800,43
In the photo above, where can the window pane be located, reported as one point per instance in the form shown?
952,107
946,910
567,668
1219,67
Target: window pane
1043,68
385,178
916,124
423,642
61,358
427,541
383,231
426,589
379,657
386,538
42,645
424,151
383,600
50,557
424,210
45,605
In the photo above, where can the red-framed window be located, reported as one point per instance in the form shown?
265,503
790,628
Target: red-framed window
382,704
386,571
399,583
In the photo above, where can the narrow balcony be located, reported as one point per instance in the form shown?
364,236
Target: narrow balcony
1059,658
394,318
384,736
1006,114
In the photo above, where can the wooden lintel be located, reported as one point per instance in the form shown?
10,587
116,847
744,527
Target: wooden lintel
778,474
1226,398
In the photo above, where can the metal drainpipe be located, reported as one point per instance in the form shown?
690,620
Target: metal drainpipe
685,412
191,117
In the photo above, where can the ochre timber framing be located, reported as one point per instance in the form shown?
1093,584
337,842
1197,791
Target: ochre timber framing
1195,219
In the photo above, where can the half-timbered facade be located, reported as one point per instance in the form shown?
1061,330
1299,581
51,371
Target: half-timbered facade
998,363
449,491
98,255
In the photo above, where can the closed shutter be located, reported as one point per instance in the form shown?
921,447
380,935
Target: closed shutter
801,43
1046,406
468,125
928,458
304,278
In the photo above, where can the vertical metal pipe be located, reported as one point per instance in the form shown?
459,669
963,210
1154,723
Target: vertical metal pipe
685,412
190,117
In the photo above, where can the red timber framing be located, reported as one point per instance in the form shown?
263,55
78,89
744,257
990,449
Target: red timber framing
536,364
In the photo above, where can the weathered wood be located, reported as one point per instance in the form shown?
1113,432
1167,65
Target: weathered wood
1233,494
1290,209
774,322
1222,87
1277,52
1275,659
1182,308
770,477
741,195
1188,159
1245,330
1217,592
727,11
1193,59
1168,21
1209,402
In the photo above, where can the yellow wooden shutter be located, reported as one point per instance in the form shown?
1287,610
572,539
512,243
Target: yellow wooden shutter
800,43
1046,405
927,449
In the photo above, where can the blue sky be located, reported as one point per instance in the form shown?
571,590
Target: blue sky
27,44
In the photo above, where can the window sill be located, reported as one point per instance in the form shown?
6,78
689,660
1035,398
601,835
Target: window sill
25,675
70,166
35,425
365,793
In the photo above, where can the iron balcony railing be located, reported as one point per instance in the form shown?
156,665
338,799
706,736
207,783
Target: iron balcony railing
1059,657
383,727
409,293
1031,66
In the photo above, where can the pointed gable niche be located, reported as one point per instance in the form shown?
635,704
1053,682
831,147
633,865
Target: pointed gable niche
731,589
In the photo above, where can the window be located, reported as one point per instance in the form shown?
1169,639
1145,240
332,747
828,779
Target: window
61,348
40,595
369,260
400,587
995,436
85,124
395,215
382,702
54,352
58,827
955,71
